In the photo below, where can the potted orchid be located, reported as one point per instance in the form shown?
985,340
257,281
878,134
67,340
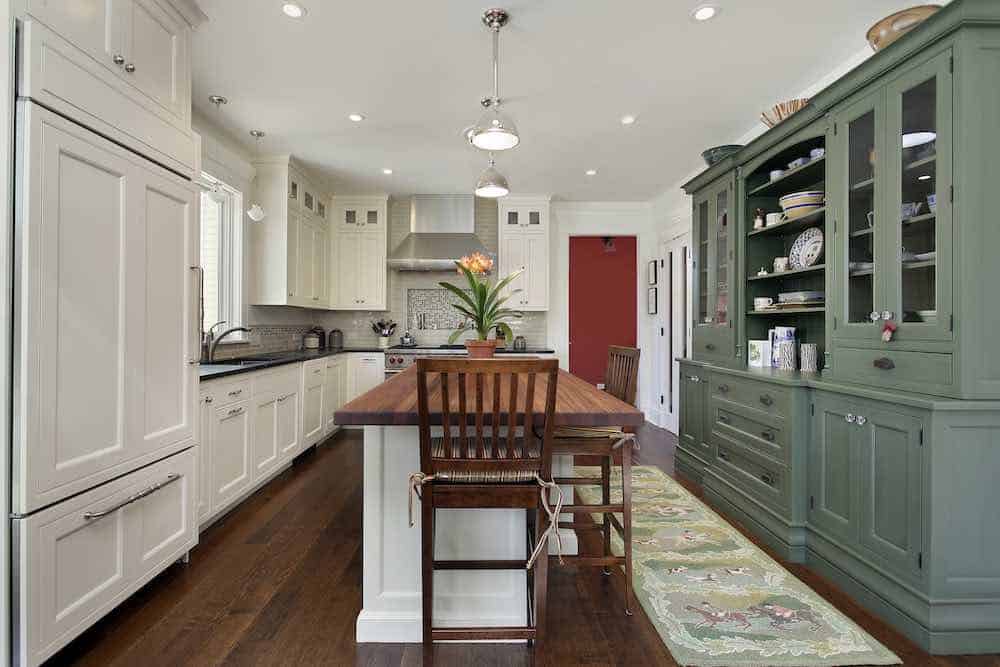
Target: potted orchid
482,305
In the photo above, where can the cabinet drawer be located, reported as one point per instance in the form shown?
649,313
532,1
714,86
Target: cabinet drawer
740,424
752,473
314,373
77,560
281,380
218,394
924,372
762,396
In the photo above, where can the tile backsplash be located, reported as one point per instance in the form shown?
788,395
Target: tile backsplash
264,339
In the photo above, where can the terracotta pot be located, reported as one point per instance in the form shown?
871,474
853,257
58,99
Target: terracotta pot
481,349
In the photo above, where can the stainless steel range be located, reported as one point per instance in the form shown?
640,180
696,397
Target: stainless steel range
398,359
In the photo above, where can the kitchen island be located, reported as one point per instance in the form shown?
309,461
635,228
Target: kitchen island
391,579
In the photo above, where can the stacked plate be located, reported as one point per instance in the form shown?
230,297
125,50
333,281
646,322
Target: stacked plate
798,204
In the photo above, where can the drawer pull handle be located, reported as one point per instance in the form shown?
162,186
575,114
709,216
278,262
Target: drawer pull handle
724,388
766,400
694,378
862,420
172,477
767,435
723,419
723,455
209,399
285,398
884,363
233,413
850,418
767,479
710,346
236,392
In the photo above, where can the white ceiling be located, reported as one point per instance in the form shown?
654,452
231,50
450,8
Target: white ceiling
570,70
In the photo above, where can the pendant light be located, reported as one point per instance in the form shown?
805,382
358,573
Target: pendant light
495,131
256,211
491,183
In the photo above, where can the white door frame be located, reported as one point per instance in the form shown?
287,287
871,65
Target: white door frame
675,324
6,271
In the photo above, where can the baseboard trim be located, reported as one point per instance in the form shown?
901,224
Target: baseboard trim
792,551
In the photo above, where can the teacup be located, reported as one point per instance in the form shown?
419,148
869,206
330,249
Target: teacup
910,209
780,264
762,302
774,219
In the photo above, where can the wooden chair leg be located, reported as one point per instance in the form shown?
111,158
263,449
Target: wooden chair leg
427,564
541,575
627,522
606,500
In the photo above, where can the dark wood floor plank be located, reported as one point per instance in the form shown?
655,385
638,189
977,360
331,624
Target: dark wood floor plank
278,582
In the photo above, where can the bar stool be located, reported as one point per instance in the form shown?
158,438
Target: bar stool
493,464
621,378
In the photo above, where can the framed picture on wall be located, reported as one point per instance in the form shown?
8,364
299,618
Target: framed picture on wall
651,272
651,301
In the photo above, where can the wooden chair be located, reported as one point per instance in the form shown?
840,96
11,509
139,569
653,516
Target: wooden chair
621,378
483,460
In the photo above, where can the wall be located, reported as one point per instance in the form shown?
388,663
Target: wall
356,325
603,219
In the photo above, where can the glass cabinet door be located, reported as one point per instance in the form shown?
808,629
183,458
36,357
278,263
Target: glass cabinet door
721,279
859,178
702,315
918,238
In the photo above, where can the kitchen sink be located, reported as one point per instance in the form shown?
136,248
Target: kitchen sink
238,363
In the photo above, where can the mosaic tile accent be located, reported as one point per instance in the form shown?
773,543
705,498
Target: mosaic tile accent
432,309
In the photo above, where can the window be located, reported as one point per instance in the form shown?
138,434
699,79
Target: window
222,254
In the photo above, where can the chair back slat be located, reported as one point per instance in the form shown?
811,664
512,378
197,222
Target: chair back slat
622,374
497,404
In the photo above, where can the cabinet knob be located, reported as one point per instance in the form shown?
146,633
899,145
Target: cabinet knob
887,315
118,59
884,363
875,316
209,399
723,455
723,388
710,346
767,435
723,419
767,479
766,400
130,68
850,418
862,420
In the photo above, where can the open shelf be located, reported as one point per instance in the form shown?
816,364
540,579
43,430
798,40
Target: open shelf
790,273
787,311
863,185
807,174
863,232
910,266
791,225
920,218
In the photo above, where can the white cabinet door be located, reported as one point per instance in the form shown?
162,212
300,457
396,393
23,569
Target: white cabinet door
77,559
205,459
232,472
289,430
266,451
367,371
313,409
348,268
305,259
513,258
157,60
336,390
93,26
372,271
536,275
292,267
104,380
321,267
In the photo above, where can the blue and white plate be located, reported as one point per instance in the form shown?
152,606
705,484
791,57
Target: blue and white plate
807,249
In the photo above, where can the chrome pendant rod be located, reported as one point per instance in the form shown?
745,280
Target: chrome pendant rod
496,64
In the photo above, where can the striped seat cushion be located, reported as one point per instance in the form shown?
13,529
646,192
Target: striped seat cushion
437,448
613,432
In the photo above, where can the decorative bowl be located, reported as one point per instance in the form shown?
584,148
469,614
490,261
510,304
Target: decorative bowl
894,26
716,154
782,110
810,197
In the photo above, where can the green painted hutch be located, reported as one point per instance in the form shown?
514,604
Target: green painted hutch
880,471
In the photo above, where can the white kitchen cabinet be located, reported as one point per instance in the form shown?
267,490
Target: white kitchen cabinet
119,66
524,246
77,559
265,435
365,372
313,407
289,427
105,383
359,274
290,248
336,389
231,441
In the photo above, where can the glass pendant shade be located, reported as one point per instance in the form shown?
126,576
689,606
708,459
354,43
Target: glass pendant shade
495,131
492,184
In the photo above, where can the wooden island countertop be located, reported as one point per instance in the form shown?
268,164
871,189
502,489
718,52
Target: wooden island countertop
578,403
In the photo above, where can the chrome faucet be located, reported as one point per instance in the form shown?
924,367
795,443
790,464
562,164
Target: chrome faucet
215,343
206,341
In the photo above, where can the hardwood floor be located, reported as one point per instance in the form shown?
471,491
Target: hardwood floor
278,582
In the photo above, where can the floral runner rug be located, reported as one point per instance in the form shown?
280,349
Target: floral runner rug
718,600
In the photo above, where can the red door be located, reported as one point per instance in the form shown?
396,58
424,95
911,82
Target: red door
602,301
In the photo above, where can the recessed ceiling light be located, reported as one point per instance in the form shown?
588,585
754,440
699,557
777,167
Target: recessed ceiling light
293,10
356,117
591,172
387,172
628,120
704,12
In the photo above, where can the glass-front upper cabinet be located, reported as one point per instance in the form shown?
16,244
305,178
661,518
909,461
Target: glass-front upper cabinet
893,244
919,237
714,270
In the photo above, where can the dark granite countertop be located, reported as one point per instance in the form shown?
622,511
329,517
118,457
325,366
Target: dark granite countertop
262,361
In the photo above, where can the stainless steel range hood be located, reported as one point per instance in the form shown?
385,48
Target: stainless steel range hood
442,230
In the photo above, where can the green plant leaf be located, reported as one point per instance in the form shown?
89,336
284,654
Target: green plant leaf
460,293
498,288
455,334
508,333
